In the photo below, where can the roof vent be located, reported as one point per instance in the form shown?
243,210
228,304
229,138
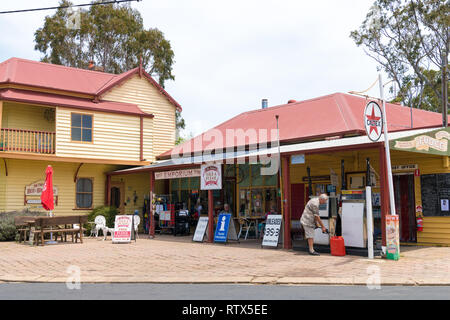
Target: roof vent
264,103
292,101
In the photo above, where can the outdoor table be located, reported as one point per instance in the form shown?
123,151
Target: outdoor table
46,224
256,220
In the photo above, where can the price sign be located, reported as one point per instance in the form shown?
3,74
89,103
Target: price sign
272,230
201,229
123,227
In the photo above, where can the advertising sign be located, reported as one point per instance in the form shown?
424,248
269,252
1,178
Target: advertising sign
211,177
373,121
177,174
200,229
272,230
392,237
223,223
122,229
433,142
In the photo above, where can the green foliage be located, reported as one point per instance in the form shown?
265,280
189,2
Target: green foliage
8,231
410,41
111,35
108,212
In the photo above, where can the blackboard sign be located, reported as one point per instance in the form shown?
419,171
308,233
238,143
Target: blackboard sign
435,194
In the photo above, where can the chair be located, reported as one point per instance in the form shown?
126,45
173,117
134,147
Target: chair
100,224
245,225
137,221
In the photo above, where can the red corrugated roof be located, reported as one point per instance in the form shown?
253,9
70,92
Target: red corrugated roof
25,96
330,115
62,78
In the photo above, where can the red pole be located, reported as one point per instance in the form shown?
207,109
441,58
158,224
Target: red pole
384,193
151,231
210,217
286,199
108,190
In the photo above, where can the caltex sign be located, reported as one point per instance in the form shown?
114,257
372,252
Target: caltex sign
211,177
373,121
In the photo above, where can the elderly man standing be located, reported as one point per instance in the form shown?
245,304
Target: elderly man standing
310,219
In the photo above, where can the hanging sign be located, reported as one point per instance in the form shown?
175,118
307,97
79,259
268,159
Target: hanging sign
373,121
200,229
123,227
211,177
272,230
225,229
433,142
392,237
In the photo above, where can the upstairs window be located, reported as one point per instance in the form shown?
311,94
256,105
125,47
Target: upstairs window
81,127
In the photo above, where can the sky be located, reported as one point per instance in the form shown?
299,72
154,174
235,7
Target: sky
229,55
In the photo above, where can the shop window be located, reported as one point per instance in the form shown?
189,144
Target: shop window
257,202
271,180
184,184
174,184
81,127
84,192
195,183
244,175
257,178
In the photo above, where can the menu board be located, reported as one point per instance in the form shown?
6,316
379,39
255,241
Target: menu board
435,194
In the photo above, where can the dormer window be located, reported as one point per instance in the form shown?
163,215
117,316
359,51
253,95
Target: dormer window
81,127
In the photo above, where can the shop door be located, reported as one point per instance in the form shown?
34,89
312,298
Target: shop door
297,200
117,196
405,207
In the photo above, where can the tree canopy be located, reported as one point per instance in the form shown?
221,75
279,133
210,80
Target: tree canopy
111,35
410,41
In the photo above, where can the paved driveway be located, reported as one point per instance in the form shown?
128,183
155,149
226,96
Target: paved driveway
179,260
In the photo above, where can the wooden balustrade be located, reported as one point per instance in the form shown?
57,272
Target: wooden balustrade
19,140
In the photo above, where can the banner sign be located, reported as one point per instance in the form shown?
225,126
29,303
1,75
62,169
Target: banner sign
122,228
373,121
272,230
392,237
200,229
211,177
433,142
177,174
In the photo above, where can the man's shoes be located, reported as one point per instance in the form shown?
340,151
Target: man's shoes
314,253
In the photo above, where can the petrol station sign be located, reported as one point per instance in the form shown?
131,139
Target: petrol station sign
373,121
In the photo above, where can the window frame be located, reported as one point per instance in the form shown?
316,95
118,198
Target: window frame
92,194
92,127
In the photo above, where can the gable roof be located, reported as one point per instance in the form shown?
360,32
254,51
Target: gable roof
56,77
336,114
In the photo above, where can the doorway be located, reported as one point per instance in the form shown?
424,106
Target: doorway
117,196
405,206
297,200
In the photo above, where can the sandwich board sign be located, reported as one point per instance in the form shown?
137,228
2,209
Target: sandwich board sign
123,229
200,229
272,230
225,229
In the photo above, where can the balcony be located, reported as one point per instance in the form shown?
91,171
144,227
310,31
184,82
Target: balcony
27,141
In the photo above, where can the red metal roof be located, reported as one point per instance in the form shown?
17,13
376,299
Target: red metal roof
25,96
326,116
62,78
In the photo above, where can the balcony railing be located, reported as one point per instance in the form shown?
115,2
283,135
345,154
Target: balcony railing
18,140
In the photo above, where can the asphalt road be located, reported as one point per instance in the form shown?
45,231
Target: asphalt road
58,291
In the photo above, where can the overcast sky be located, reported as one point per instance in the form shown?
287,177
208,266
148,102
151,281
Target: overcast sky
231,54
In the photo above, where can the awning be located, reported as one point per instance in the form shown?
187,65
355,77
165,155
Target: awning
432,142
286,149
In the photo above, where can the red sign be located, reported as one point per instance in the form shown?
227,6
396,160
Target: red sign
417,172
373,121
211,177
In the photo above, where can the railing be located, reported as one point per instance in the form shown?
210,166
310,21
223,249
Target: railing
18,140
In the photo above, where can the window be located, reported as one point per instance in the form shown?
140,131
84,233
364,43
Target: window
81,127
84,190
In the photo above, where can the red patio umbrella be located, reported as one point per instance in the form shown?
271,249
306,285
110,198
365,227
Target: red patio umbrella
47,191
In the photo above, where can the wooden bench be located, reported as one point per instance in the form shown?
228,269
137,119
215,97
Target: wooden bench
59,226
22,224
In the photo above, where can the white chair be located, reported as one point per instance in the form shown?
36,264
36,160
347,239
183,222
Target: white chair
100,224
105,230
137,221
246,225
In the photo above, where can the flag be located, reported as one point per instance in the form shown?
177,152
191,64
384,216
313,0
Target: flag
47,191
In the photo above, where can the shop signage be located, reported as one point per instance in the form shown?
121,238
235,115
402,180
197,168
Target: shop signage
373,121
272,230
200,229
392,237
35,189
298,159
211,177
123,228
434,142
225,229
405,167
317,178
177,174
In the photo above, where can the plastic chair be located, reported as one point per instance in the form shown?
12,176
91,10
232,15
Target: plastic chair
137,221
100,224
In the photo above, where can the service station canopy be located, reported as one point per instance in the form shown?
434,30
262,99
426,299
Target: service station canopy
432,142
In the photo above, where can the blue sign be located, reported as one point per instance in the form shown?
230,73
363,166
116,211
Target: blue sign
223,223
298,159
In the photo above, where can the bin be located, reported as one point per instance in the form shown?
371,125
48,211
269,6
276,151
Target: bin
337,246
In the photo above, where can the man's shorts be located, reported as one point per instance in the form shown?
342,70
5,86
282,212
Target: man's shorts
309,232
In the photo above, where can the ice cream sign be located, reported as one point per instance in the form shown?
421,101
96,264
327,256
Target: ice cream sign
211,177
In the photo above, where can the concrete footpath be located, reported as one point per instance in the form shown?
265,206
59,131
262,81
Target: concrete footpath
169,259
